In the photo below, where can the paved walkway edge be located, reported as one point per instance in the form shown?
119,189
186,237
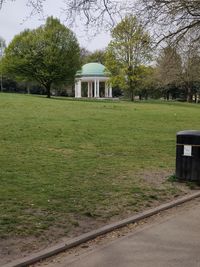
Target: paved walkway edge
95,233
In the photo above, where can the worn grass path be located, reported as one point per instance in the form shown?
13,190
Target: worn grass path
62,160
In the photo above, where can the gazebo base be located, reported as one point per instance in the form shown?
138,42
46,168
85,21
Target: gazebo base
98,98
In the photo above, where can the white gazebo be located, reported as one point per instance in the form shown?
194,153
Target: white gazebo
93,81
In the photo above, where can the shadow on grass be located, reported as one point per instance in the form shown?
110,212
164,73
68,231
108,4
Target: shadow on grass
83,99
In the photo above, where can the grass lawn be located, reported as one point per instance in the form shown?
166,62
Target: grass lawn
64,160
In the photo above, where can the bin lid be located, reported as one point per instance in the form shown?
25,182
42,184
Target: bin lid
189,137
189,133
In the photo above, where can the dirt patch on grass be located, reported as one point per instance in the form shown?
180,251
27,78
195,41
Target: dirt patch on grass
12,248
159,179
157,189
155,178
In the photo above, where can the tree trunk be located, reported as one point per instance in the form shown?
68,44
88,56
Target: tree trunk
132,90
167,96
131,85
197,98
48,89
28,89
189,95
132,95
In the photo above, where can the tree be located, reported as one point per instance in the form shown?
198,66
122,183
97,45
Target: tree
129,49
173,19
178,69
169,69
93,12
169,66
84,53
191,70
49,55
2,48
147,85
96,56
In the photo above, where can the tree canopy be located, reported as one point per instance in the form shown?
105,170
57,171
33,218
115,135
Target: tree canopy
49,55
169,66
96,56
179,68
2,48
127,52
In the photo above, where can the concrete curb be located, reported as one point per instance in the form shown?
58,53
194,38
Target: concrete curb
95,233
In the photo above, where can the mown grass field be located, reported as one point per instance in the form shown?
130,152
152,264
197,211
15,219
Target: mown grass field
63,160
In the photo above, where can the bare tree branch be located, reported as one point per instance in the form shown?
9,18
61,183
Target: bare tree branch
173,19
168,19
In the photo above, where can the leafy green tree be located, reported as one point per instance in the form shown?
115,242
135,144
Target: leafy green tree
2,48
147,85
129,49
49,55
96,56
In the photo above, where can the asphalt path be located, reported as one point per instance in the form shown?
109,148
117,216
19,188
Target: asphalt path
173,241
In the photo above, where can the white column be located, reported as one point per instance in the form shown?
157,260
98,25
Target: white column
76,93
106,89
97,88
110,90
88,90
79,88
91,85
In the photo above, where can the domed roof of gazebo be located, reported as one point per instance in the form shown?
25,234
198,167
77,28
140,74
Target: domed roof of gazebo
93,69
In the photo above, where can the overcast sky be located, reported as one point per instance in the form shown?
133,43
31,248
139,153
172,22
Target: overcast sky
15,17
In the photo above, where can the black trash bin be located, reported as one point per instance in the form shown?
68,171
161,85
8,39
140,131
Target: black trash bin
188,155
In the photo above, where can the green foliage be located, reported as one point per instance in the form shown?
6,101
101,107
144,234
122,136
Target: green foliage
2,46
96,56
147,85
48,55
128,51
